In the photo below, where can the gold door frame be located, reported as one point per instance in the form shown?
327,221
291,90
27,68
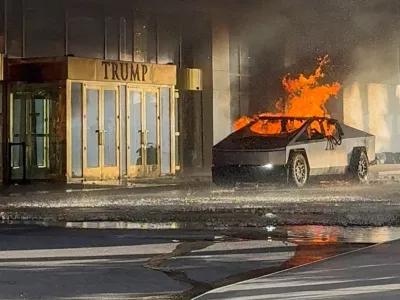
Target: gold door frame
101,172
112,172
143,170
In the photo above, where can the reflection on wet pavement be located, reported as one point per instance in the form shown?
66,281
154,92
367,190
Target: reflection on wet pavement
294,234
333,234
204,258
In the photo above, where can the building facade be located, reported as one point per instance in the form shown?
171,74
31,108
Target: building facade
105,90
361,37
98,90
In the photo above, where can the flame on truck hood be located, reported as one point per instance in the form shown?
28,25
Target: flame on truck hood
305,97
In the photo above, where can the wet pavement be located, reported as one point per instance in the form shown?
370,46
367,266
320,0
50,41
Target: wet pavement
333,204
191,238
70,263
368,273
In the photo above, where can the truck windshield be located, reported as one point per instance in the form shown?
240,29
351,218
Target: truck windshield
273,127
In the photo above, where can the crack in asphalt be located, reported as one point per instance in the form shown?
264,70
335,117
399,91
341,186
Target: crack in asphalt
157,263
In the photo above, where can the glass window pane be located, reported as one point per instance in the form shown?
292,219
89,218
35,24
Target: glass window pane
244,104
126,33
235,90
234,84
76,129
44,18
165,131
244,59
244,84
234,54
151,128
152,41
144,40
39,131
92,128
110,128
135,121
168,41
14,28
140,40
85,29
112,30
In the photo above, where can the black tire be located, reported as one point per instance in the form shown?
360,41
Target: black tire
298,170
359,167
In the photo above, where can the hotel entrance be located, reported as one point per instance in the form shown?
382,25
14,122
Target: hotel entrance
100,132
35,147
143,132
86,120
120,120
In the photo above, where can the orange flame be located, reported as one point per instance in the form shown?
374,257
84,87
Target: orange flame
305,98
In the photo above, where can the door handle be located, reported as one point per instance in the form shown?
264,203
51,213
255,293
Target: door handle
100,137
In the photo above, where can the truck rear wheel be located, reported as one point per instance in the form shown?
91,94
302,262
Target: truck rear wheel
359,166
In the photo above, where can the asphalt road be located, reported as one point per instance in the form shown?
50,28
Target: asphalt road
370,273
38,263
56,264
53,263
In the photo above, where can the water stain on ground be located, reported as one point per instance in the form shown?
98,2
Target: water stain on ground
313,243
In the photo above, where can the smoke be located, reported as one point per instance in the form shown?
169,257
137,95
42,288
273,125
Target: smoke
360,36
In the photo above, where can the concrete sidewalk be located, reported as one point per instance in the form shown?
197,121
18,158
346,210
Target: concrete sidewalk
201,204
331,204
140,184
371,273
379,173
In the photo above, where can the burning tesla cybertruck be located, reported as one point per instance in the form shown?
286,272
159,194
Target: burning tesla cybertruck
294,150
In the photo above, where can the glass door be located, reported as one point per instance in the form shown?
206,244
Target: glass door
110,133
30,117
143,134
100,133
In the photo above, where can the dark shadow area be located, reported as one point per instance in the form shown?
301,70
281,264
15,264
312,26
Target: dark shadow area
96,278
37,238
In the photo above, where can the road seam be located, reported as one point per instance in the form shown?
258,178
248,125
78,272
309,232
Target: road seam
293,268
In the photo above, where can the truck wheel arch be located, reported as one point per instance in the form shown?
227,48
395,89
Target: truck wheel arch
300,150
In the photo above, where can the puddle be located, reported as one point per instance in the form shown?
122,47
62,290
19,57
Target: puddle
324,234
293,234
332,234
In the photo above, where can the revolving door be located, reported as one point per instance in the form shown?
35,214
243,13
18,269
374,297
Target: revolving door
36,133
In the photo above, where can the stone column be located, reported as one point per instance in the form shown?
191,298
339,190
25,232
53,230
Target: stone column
222,120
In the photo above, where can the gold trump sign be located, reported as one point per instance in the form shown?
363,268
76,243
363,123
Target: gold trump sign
120,71
124,71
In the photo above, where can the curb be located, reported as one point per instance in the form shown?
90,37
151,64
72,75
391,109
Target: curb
130,185
207,217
